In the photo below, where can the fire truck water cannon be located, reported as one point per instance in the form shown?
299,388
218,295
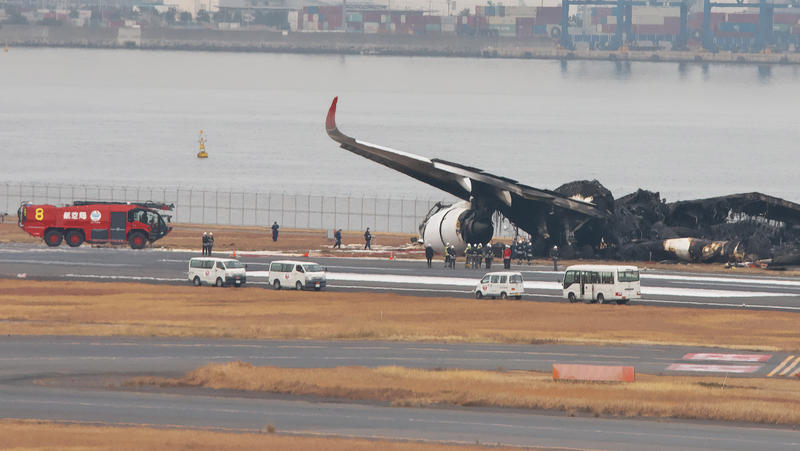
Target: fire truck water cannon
136,223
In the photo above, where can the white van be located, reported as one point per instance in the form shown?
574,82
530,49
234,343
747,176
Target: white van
217,271
504,284
300,275
601,283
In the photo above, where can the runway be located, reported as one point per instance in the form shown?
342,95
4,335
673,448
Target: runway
411,277
83,377
84,373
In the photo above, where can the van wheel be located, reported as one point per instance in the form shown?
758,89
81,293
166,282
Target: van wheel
571,297
298,286
600,298
503,295
74,238
196,281
53,237
478,295
219,282
276,284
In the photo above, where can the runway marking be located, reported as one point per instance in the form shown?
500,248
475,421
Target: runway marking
789,367
95,276
713,368
728,357
719,304
780,366
530,285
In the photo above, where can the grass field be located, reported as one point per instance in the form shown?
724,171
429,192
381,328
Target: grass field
29,307
771,401
31,435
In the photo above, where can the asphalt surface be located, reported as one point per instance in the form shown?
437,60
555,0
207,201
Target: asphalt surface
84,373
83,382
410,277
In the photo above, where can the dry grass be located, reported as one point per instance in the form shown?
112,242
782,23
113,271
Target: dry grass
771,401
29,307
42,435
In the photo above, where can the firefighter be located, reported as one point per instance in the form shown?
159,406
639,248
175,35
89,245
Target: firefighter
205,243
210,242
529,251
447,255
478,256
507,257
468,256
452,257
487,255
519,252
554,255
275,228
429,254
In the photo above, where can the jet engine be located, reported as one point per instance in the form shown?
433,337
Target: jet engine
457,224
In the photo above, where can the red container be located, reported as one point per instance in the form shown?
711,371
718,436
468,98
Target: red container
548,15
785,19
433,20
372,16
743,18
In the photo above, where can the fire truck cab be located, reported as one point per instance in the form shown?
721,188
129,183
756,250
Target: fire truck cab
96,222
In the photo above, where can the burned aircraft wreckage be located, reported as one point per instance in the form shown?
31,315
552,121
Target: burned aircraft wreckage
585,220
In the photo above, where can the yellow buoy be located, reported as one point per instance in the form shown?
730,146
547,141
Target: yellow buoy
202,141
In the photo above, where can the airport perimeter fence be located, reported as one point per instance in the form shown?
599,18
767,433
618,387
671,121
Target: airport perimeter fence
198,206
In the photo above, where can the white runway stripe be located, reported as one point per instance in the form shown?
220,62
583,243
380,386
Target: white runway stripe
530,285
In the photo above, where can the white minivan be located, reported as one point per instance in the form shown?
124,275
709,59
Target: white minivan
504,284
217,271
300,275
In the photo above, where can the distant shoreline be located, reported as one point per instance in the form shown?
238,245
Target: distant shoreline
263,41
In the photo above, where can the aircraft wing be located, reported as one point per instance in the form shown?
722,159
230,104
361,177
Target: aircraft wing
461,181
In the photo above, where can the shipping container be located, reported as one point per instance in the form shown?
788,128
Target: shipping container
548,15
371,27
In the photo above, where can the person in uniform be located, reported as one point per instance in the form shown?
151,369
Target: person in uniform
554,255
205,243
507,257
447,255
468,256
367,239
529,251
429,254
210,242
275,228
478,256
487,255
452,257
337,235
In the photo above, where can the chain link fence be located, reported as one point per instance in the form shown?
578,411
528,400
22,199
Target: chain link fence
198,206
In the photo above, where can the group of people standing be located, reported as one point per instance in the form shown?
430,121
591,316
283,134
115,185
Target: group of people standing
522,250
478,253
208,243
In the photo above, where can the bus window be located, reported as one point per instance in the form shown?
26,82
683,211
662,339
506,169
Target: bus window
607,277
628,276
570,277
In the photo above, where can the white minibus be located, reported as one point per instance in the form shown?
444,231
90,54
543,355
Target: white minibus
216,271
601,283
298,275
502,284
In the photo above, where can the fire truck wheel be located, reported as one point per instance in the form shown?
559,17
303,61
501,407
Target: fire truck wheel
137,240
74,238
53,237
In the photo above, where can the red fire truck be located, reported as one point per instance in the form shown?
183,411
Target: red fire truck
96,222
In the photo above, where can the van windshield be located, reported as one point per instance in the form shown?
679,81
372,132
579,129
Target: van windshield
233,264
313,268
